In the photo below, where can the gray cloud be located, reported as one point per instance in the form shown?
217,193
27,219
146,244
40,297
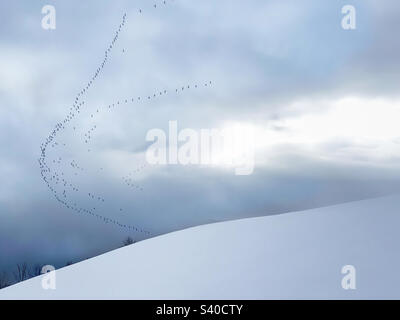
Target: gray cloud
262,56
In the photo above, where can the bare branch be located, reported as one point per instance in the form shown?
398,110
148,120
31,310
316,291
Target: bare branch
21,273
128,241
4,281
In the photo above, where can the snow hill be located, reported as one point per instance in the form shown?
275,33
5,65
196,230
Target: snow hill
295,255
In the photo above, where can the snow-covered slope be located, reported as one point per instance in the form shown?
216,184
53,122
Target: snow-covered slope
296,255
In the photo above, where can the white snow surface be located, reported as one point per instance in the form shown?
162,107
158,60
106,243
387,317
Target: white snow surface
297,255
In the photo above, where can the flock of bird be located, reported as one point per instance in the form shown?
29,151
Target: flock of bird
56,178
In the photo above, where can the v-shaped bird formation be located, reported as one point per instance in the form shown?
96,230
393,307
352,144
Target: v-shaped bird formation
53,163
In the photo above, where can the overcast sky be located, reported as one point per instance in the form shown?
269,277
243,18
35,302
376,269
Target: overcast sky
323,103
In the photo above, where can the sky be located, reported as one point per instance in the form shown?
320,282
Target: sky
322,103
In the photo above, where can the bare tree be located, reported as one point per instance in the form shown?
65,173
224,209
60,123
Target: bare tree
22,272
4,282
128,241
36,271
